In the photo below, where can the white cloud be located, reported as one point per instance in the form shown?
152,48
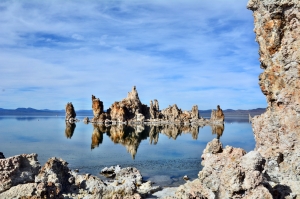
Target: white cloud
184,52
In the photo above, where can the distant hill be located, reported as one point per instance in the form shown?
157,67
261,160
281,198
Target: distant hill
45,112
204,113
233,113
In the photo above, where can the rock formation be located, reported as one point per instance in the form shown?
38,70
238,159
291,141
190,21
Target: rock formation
228,173
129,108
20,177
154,109
97,106
195,112
18,169
277,131
217,116
70,112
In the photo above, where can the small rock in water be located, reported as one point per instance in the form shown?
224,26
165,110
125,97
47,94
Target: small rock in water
185,177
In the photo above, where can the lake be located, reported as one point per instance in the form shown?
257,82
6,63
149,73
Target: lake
162,154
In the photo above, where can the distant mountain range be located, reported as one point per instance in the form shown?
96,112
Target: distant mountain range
47,112
239,112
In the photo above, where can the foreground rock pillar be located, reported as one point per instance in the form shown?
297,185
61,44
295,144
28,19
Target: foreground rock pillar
277,131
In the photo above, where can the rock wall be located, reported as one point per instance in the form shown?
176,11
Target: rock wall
277,29
277,131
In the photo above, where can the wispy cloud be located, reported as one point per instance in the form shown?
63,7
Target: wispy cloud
184,52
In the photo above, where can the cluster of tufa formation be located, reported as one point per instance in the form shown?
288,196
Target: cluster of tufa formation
22,177
131,110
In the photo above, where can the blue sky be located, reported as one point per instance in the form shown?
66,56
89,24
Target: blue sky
182,51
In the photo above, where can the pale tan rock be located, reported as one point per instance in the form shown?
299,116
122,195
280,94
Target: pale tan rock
21,190
70,112
277,131
154,109
217,116
227,173
98,110
195,112
128,108
18,169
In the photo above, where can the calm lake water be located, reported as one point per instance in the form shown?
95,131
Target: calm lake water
162,154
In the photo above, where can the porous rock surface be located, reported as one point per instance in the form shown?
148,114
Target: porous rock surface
227,173
98,110
277,131
18,169
56,180
128,108
70,112
217,116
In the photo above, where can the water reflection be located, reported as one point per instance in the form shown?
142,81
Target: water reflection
131,136
217,129
70,128
97,135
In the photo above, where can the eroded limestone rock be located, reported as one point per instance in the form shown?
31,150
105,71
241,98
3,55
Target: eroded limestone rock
154,109
18,169
70,112
277,131
129,109
97,106
217,116
227,173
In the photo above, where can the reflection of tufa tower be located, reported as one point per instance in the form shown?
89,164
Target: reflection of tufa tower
97,136
217,129
70,128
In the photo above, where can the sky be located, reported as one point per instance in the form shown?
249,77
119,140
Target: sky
188,52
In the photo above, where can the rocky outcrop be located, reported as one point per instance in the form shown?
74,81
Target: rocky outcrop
277,131
97,107
154,109
129,109
195,112
56,180
278,34
228,173
70,112
176,115
18,169
217,116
